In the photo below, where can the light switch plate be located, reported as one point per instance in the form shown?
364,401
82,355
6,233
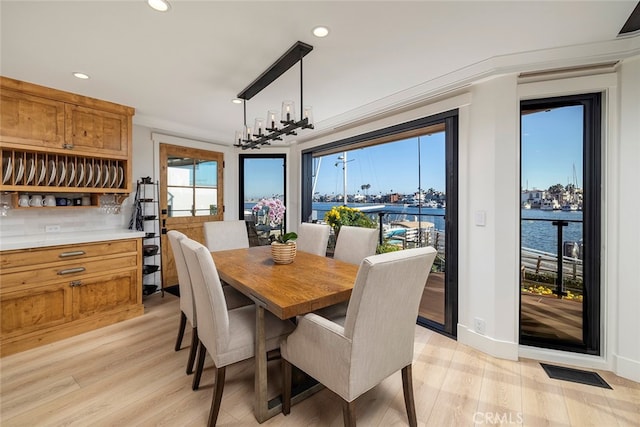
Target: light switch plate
481,218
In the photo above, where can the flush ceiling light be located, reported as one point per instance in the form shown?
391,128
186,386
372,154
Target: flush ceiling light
321,31
159,5
273,129
237,101
82,76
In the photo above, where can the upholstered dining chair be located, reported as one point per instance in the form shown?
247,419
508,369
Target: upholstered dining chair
353,354
188,312
313,238
187,308
355,244
227,335
225,235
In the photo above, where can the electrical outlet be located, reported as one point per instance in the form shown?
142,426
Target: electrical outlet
479,325
52,228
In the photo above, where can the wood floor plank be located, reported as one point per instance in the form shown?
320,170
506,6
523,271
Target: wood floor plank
128,374
542,399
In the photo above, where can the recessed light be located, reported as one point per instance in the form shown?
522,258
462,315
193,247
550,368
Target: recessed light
159,5
321,31
236,101
82,76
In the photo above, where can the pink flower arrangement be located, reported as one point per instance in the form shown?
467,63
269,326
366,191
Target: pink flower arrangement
275,212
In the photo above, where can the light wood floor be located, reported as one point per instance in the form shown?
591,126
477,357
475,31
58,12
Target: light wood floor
128,374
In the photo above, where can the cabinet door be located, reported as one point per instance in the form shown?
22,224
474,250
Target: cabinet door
97,132
106,293
30,309
31,120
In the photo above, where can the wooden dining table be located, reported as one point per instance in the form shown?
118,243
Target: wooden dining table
310,283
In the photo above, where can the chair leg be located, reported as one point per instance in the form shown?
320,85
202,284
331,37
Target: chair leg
217,397
192,352
196,377
407,388
349,413
286,387
183,324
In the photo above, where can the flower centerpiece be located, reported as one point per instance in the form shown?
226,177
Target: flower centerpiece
283,246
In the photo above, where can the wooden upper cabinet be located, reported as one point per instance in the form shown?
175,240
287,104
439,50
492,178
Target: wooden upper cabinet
40,118
31,120
92,130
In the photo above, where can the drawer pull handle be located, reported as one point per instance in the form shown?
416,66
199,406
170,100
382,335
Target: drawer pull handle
73,253
71,270
67,146
75,283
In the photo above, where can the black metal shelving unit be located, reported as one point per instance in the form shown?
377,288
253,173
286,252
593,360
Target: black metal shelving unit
146,218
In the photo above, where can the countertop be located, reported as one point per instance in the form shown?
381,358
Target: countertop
54,239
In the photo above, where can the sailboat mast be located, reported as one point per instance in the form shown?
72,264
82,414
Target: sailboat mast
344,178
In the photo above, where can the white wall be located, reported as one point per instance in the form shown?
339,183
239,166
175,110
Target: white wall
625,268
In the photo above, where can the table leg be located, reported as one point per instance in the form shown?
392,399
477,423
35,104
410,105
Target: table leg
261,400
263,408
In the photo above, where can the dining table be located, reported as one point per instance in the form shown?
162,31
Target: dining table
309,283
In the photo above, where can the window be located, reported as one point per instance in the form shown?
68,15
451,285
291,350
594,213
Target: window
405,178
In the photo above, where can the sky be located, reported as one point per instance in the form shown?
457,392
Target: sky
551,147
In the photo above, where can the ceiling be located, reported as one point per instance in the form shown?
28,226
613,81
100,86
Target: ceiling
181,69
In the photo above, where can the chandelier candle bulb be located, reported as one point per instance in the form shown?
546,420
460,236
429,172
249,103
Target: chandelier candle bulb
272,119
259,126
308,114
288,110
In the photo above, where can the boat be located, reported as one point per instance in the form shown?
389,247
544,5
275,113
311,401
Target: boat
567,207
550,205
526,205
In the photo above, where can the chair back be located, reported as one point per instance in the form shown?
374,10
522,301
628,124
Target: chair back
187,306
355,244
382,313
213,318
225,235
313,238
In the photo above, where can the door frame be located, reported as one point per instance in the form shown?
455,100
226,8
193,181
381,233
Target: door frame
189,225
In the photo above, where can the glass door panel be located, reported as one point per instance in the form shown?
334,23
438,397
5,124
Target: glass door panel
559,283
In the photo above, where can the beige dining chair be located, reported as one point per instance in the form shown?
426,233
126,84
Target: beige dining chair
188,312
353,354
225,235
355,244
187,308
313,238
227,335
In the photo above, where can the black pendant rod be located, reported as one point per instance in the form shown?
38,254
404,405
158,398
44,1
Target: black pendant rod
278,68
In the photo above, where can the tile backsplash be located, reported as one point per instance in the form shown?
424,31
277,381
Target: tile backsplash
31,221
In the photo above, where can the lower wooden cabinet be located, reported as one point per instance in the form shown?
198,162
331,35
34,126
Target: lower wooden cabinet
52,293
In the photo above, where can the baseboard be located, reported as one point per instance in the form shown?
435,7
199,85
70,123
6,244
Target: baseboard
564,358
626,368
496,348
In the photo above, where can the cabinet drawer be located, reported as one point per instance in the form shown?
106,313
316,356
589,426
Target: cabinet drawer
67,272
34,257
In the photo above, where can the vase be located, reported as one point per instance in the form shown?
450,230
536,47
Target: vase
283,253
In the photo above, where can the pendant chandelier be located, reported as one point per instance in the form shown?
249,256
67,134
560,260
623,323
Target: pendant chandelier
274,127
